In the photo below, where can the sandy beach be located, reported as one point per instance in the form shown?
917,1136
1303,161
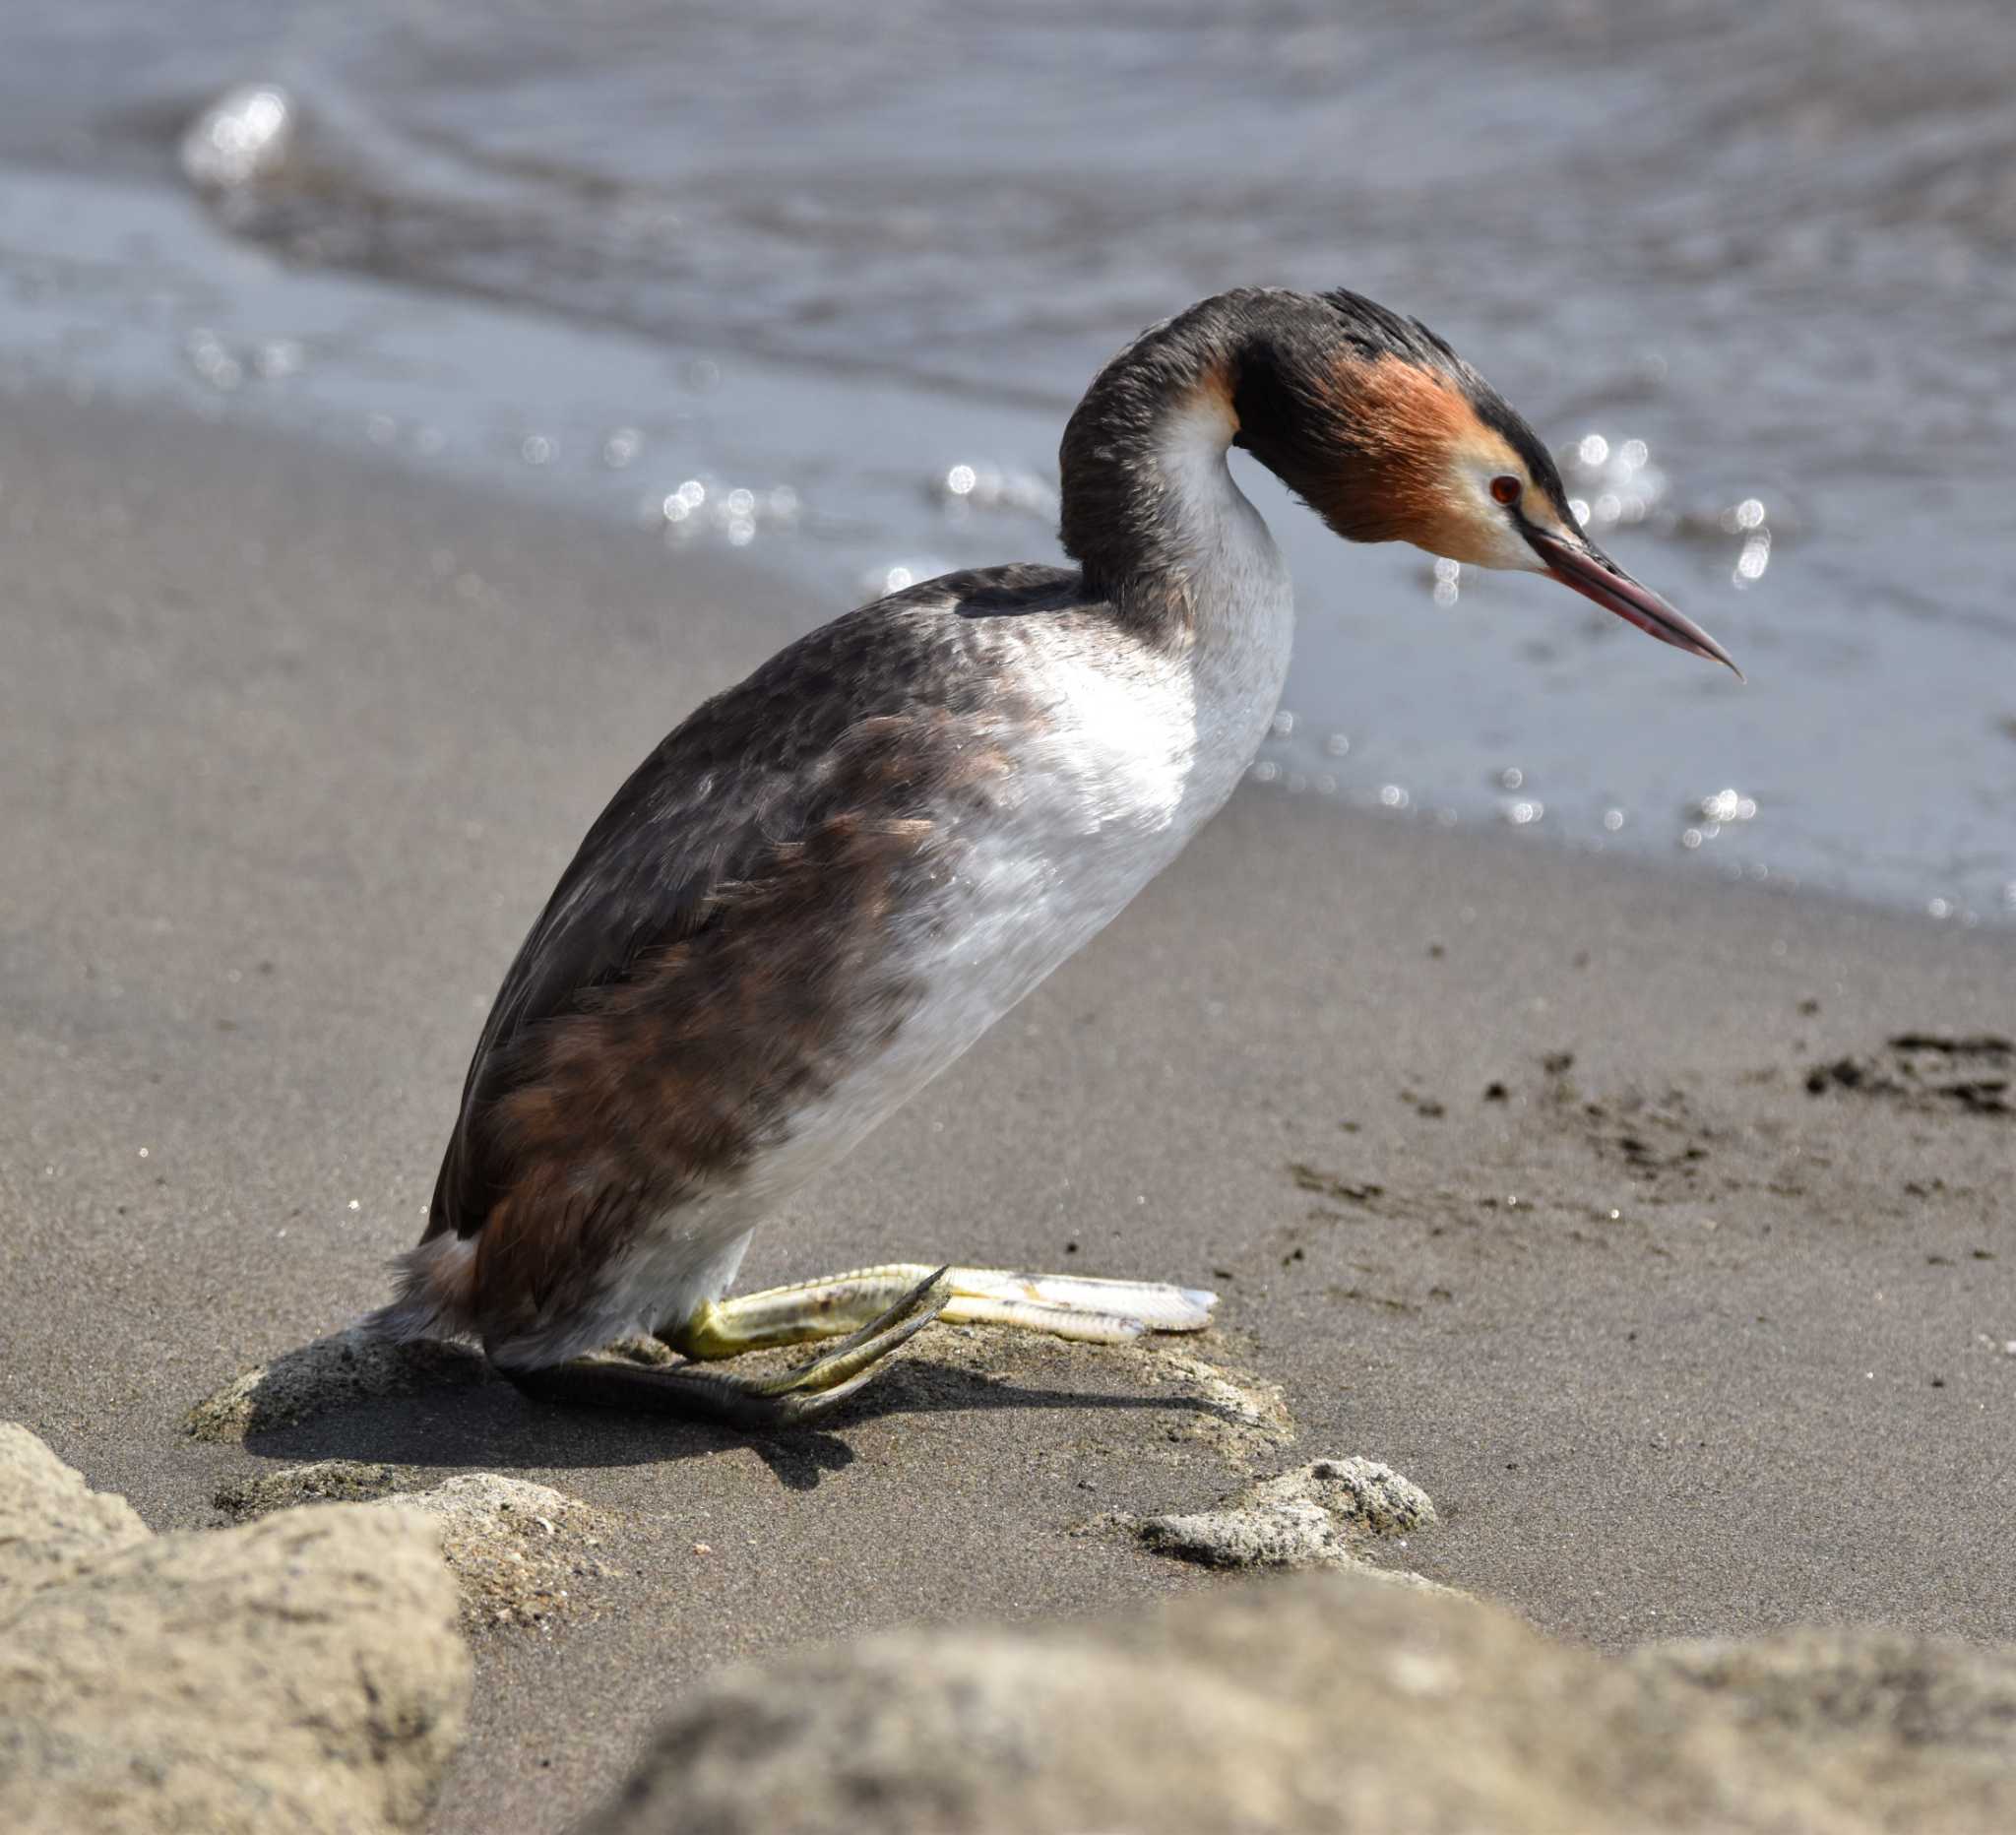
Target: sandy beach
1658,1229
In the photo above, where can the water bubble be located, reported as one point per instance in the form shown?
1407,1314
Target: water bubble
1266,771
536,449
245,135
277,357
1511,778
381,429
967,487
1940,907
1755,558
741,502
1524,813
1394,796
1633,454
1727,806
675,508
897,578
1338,745
1593,450
692,493
621,446
1613,819
212,360
741,531
1578,508
1281,724
1691,837
782,502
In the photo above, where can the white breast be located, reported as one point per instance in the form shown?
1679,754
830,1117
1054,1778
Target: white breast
1134,748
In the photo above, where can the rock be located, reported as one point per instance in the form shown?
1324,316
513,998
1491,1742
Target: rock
1243,1416
1325,1702
339,1372
1921,1732
322,1481
1319,1515
301,1674
519,1552
50,1521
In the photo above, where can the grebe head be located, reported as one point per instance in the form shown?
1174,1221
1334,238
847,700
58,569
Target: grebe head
1390,436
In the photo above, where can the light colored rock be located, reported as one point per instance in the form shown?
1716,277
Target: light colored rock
1920,1732
339,1372
520,1551
1242,1415
1319,1701
304,1674
50,1521
321,1481
1323,1514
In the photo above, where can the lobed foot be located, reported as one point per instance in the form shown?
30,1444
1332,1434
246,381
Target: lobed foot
1085,1307
790,1400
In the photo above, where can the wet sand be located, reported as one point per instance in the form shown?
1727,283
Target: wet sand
292,748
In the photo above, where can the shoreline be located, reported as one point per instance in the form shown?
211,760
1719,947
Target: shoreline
137,294
284,792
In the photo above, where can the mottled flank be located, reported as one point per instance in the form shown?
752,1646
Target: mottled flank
1331,1702
729,941
1328,1513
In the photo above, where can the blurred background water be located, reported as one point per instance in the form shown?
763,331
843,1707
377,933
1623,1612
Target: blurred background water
821,285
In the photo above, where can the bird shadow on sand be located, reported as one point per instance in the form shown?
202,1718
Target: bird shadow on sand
433,1406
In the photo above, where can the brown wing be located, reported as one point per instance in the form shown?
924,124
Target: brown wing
720,947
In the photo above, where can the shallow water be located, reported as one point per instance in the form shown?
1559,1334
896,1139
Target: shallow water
762,277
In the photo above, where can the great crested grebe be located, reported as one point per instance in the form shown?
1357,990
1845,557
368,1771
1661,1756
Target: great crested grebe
830,880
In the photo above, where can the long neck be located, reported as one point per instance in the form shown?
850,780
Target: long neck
1150,511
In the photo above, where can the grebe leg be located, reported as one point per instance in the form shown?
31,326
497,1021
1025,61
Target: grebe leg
790,1400
1085,1307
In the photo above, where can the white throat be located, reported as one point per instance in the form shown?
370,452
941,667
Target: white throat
1240,598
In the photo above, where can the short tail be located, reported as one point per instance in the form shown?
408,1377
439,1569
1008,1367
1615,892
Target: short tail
436,1296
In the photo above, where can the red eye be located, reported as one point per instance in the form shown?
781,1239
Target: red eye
1505,490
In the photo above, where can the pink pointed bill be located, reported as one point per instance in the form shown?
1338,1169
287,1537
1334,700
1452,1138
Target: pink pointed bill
1592,574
